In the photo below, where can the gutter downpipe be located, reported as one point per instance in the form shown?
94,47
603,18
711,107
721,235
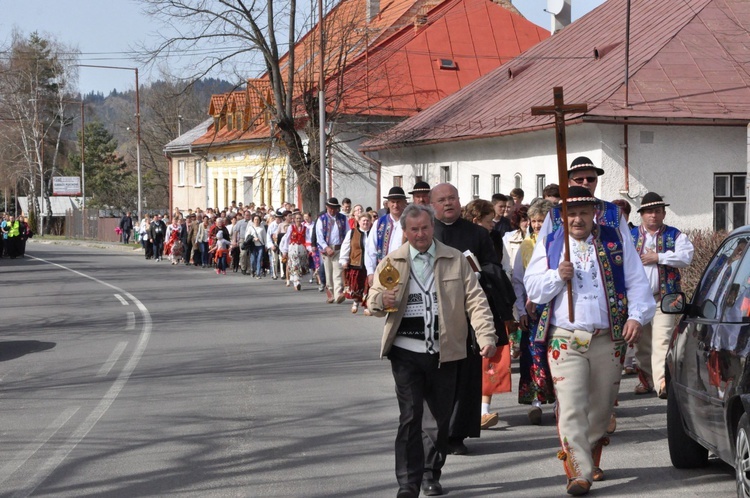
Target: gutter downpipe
378,166
171,191
626,159
747,178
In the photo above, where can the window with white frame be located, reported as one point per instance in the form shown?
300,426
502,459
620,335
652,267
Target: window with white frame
198,174
495,184
475,186
541,182
518,180
729,200
181,173
445,174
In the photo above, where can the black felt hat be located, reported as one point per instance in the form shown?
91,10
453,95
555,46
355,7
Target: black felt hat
395,193
652,200
333,202
421,188
581,163
580,196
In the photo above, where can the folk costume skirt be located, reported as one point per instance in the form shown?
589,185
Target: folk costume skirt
355,284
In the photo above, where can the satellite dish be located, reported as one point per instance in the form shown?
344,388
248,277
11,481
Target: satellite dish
554,7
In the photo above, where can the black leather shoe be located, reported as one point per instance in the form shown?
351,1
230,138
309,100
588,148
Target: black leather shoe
431,487
457,447
407,492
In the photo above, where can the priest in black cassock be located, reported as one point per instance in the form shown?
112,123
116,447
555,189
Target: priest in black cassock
454,231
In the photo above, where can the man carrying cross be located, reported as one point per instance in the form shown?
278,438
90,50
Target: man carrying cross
612,299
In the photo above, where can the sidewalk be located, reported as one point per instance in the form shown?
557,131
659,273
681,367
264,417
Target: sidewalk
95,244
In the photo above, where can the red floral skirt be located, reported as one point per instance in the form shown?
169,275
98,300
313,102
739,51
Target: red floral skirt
355,284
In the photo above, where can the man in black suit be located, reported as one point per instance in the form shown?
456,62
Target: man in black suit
454,231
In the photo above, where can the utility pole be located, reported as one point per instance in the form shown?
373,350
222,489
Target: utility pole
137,124
322,109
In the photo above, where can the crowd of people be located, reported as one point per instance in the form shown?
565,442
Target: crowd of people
15,232
505,267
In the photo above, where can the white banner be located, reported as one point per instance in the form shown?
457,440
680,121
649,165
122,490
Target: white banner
66,185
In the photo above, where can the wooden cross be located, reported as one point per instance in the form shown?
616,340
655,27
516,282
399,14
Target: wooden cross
559,109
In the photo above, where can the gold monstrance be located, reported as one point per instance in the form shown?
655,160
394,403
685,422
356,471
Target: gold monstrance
389,278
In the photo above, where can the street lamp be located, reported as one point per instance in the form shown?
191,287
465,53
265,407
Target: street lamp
137,124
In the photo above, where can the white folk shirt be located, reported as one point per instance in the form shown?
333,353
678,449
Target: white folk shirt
589,292
273,227
334,238
681,257
371,247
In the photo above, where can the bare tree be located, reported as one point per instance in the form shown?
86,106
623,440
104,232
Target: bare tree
243,32
33,85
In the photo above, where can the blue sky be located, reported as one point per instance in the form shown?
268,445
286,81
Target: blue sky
105,30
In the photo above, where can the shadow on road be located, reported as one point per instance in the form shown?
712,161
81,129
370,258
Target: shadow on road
10,350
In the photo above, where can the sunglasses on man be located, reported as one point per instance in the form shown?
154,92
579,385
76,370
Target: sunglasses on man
589,179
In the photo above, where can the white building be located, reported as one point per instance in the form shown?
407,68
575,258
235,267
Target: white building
682,118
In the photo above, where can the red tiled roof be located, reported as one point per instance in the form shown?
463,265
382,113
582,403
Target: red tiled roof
686,62
402,75
399,73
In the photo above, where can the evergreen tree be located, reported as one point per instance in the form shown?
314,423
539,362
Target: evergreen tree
108,180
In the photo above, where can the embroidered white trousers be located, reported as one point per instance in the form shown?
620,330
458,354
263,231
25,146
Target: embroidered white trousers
651,350
586,370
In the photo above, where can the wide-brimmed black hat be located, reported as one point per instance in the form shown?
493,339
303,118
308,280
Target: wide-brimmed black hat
581,163
333,202
279,213
395,193
421,188
652,200
580,196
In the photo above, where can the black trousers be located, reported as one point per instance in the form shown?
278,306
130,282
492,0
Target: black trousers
421,382
467,405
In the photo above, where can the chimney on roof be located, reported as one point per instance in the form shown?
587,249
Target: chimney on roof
560,12
373,9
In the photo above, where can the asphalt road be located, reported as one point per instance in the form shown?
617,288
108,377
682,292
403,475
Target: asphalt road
122,377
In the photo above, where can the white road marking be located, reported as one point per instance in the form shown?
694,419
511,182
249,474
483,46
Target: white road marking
131,321
64,450
29,451
122,300
112,359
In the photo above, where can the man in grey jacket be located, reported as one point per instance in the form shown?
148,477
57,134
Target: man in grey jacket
424,339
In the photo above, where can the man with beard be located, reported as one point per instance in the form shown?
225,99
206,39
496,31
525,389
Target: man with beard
454,231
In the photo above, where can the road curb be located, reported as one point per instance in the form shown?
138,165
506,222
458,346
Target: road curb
94,244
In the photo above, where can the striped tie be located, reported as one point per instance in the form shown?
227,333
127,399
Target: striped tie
426,272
